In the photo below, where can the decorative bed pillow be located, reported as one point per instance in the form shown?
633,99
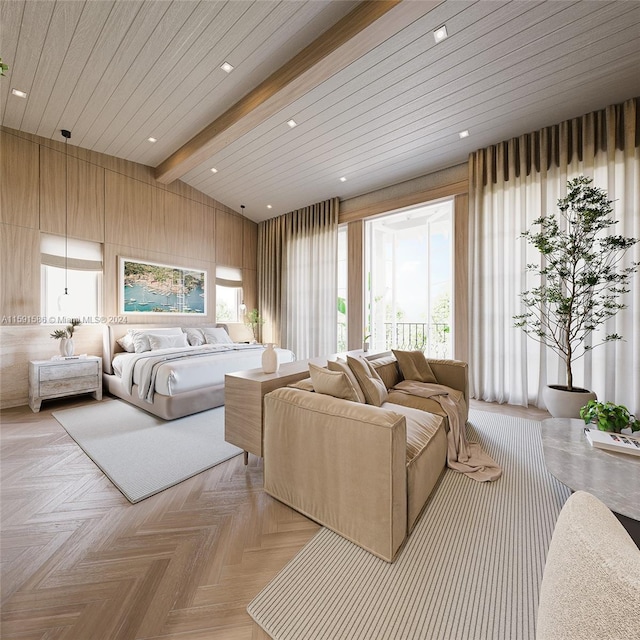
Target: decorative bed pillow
375,392
414,366
332,383
126,342
195,337
341,365
141,337
304,384
216,335
167,342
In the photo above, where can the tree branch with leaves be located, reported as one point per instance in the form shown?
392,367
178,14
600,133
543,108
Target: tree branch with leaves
581,279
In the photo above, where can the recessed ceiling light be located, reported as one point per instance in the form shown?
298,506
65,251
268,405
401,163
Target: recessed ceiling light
20,94
226,67
214,170
292,123
269,206
464,134
152,139
440,34
343,179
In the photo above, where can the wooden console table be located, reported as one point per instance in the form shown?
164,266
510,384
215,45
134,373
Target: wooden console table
243,399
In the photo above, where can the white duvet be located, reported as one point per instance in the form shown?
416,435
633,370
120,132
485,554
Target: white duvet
179,369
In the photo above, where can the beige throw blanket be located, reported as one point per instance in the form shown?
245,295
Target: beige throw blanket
462,456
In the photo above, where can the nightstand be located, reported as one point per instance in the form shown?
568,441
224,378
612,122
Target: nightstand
58,378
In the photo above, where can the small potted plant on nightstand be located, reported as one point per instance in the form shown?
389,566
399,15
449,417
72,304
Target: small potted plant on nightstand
66,337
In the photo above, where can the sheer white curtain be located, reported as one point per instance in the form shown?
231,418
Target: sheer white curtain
310,280
298,279
512,184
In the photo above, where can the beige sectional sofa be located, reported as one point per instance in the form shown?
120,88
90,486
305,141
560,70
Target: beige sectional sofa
364,471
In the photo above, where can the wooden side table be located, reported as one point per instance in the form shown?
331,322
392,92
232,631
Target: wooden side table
243,405
243,398
59,378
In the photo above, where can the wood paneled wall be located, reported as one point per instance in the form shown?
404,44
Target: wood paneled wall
112,201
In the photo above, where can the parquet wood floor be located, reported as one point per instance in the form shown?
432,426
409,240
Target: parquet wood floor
79,562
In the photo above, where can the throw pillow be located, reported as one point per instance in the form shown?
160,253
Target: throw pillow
216,335
332,383
141,337
414,366
195,337
167,342
126,342
341,365
374,390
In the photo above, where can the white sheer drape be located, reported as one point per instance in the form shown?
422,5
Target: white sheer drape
512,184
298,279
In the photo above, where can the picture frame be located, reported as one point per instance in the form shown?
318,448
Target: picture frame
146,287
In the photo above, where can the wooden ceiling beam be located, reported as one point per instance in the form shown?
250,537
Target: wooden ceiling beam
349,39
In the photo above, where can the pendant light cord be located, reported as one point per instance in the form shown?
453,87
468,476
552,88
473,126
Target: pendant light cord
66,135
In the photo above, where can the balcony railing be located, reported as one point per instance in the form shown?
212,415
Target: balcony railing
430,337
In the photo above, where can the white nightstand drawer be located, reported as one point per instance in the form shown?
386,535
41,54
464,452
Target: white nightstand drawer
74,370
70,385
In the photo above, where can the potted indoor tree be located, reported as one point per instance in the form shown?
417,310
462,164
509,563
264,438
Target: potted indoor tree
581,282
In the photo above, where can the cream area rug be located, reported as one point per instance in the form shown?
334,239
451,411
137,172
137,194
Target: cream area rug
470,570
142,454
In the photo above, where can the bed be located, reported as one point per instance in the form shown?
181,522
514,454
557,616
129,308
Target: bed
172,372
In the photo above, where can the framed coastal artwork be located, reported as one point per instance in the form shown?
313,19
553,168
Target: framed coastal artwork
148,287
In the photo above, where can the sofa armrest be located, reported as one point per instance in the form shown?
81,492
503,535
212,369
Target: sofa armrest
341,463
452,373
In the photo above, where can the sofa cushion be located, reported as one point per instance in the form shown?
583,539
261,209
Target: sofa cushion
341,365
371,384
332,383
414,366
387,368
305,384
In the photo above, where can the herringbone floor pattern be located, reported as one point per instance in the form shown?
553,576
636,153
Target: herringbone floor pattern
81,563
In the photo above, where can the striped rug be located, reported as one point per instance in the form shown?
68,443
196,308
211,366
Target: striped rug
470,570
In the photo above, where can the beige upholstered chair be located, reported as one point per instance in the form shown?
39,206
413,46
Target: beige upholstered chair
591,584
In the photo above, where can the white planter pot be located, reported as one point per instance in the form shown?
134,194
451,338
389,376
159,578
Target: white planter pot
561,403
269,359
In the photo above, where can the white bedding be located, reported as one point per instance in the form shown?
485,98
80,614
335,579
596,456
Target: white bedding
207,366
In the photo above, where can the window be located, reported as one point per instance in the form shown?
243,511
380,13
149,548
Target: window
342,288
409,279
82,278
228,294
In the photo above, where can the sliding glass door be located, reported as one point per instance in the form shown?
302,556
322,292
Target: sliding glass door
409,282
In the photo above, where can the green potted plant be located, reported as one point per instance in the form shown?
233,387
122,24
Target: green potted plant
580,284
609,417
254,321
66,337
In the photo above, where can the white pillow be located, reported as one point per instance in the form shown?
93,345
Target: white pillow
166,342
126,342
141,337
195,337
216,335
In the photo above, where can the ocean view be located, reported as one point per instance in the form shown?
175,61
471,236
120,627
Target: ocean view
140,298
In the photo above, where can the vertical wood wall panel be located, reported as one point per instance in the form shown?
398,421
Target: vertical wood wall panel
250,288
250,242
355,284
19,169
20,274
229,239
52,191
86,200
128,217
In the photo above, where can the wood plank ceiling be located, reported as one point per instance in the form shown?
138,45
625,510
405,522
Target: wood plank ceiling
384,107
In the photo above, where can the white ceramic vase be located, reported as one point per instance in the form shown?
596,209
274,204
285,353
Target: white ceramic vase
561,403
269,359
66,347
365,346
